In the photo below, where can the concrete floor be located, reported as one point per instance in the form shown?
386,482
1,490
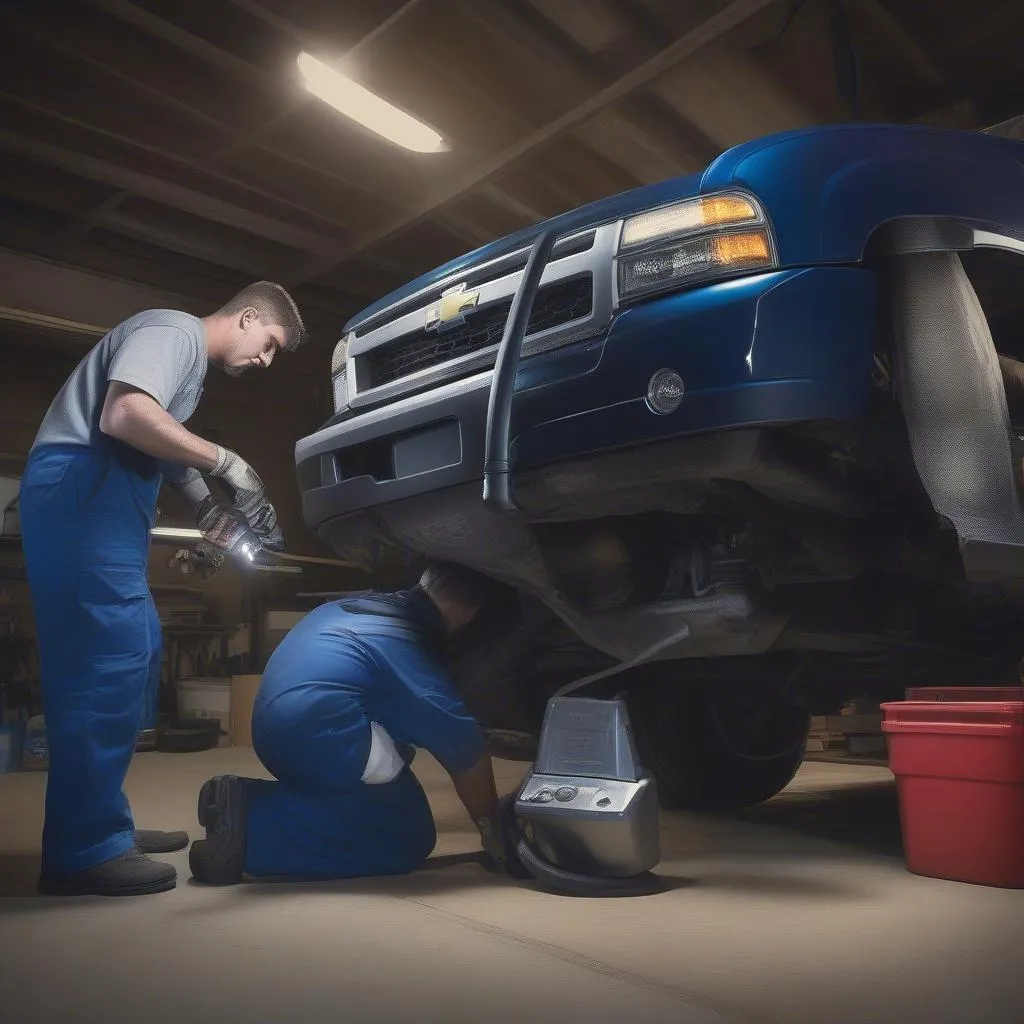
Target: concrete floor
797,911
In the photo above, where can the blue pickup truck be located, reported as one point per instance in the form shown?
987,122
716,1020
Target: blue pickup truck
760,418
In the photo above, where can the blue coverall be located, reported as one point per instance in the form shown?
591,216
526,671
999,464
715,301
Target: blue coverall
378,659
86,513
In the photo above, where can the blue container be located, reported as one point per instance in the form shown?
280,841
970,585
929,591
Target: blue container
35,751
11,739
151,702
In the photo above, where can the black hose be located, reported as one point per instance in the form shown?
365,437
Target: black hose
497,470
573,883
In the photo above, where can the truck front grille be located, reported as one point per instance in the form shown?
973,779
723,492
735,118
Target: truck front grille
556,304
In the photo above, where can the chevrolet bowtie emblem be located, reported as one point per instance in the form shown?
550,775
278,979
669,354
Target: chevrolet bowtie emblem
450,310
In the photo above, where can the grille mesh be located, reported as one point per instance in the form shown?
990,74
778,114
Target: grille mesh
556,304
340,384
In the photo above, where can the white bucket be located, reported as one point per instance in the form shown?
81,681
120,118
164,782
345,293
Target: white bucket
205,698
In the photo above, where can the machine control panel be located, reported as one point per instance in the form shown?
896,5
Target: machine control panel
599,796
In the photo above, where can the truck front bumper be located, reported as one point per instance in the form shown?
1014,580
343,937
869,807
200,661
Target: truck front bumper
775,348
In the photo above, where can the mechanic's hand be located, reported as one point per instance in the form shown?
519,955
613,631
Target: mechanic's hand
250,497
206,559
224,527
248,493
500,838
203,558
264,524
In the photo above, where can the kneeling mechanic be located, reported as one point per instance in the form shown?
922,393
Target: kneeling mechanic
344,702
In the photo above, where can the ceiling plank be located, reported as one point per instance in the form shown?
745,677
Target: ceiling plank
170,194
734,14
886,22
658,126
81,226
165,98
96,302
503,198
308,213
183,40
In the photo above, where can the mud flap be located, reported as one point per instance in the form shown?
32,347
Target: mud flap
952,394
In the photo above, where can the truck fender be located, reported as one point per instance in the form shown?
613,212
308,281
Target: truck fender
827,191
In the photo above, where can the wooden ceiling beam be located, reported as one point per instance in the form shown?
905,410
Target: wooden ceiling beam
728,18
175,196
656,123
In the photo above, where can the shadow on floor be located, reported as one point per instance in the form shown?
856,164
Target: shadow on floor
865,816
19,873
441,874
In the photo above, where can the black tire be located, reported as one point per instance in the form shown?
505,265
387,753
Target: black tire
683,741
195,725
171,740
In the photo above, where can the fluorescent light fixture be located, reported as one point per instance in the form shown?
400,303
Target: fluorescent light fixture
177,532
358,103
291,570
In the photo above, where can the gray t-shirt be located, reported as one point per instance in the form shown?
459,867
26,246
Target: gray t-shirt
160,351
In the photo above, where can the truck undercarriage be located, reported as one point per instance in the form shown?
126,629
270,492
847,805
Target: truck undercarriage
809,563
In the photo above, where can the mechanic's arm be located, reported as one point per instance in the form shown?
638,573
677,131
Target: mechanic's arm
441,724
136,418
476,789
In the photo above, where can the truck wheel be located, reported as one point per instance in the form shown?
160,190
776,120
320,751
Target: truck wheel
717,747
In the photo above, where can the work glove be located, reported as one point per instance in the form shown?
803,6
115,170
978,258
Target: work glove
226,529
191,486
203,558
500,838
265,526
249,497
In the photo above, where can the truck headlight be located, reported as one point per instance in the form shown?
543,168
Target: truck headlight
699,258
339,374
699,239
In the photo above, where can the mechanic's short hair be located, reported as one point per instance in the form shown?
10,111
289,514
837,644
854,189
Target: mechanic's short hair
273,305
459,585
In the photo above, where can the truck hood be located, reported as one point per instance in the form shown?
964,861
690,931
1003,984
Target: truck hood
583,217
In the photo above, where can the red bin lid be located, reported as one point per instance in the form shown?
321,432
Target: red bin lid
965,693
993,718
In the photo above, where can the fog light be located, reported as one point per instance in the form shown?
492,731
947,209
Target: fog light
664,392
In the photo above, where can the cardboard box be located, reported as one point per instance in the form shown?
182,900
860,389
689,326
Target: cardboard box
847,723
243,697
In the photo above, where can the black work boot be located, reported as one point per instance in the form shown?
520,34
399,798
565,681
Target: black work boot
130,874
152,841
219,859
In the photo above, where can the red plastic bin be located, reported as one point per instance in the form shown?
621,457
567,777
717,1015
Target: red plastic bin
965,693
959,770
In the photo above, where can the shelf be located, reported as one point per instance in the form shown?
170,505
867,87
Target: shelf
198,630
837,757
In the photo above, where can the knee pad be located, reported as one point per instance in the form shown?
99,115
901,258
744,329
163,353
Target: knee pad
384,763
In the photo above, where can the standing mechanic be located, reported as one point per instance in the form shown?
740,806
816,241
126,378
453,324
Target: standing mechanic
344,701
88,500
